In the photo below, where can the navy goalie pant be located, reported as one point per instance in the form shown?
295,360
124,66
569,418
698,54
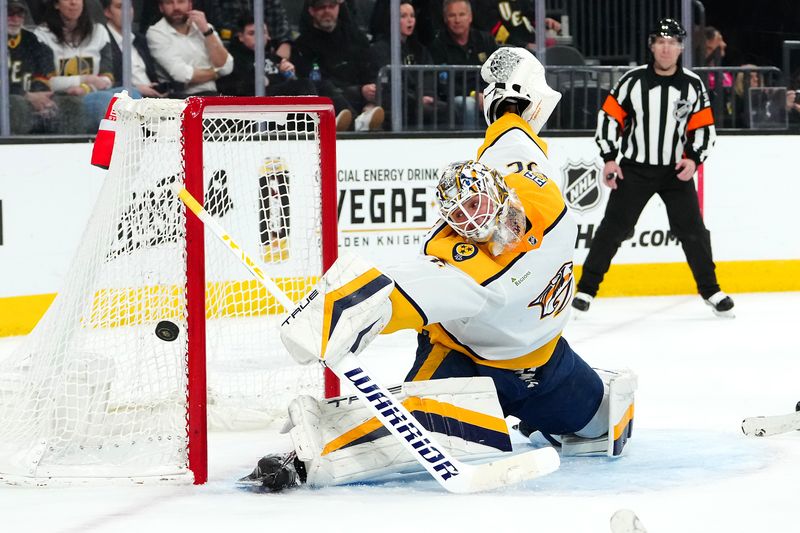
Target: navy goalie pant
556,398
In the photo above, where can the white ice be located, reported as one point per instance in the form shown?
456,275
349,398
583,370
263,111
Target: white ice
687,468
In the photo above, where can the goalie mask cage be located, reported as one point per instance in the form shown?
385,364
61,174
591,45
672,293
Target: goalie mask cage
93,392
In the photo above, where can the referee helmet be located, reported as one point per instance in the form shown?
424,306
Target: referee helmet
667,27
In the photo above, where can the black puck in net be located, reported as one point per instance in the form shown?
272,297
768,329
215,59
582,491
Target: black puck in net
167,331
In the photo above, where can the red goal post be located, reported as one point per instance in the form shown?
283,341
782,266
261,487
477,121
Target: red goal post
93,393
197,108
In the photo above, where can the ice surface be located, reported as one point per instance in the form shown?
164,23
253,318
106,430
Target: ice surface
687,468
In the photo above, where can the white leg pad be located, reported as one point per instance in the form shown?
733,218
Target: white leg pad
341,442
612,425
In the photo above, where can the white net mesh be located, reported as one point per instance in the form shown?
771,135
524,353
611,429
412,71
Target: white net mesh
93,392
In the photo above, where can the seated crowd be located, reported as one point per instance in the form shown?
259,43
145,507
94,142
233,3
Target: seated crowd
66,59
65,56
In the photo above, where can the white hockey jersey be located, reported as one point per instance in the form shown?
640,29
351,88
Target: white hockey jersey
506,311
91,56
511,146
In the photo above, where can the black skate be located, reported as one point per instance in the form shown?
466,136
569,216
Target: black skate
275,473
582,301
721,304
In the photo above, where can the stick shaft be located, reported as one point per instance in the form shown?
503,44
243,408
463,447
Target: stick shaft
237,250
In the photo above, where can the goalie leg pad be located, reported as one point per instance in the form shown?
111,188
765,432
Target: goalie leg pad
612,425
340,442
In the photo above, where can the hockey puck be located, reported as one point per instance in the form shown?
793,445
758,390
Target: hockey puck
167,331
797,406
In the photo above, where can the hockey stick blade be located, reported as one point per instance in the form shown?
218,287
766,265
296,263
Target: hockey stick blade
766,426
452,474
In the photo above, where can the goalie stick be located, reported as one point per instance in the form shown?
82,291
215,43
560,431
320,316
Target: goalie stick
449,472
766,426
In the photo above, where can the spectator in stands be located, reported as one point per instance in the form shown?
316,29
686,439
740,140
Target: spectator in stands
234,11
347,16
187,49
741,90
339,54
428,14
412,52
30,64
279,73
720,84
793,108
772,107
793,102
511,22
38,8
143,71
82,63
715,47
461,44
151,12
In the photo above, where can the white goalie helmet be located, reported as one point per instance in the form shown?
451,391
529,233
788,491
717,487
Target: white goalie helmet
475,201
515,75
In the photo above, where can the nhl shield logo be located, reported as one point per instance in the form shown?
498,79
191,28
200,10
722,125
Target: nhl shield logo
681,110
581,185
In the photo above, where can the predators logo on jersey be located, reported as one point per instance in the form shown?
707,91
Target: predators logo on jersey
558,293
463,251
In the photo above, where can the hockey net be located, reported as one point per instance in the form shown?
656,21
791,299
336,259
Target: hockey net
93,392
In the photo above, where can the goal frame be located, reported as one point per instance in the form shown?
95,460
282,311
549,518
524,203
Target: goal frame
192,145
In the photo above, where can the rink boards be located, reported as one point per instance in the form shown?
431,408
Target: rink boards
748,191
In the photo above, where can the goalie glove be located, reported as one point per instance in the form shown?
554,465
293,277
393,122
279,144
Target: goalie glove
515,76
347,308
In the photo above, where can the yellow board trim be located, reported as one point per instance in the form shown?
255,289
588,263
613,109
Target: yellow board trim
427,405
19,314
661,279
120,307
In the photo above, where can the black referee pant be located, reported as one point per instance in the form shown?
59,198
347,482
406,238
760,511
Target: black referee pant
623,209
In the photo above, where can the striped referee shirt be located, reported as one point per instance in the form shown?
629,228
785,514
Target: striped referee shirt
656,120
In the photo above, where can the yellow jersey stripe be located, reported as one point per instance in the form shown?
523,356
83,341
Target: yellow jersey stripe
536,358
505,124
406,314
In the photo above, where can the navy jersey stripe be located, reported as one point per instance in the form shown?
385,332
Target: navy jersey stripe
447,426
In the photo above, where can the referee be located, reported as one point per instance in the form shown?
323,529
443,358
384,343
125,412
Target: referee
658,122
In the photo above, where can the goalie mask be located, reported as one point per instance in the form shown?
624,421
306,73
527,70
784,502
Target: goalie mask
515,76
475,201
